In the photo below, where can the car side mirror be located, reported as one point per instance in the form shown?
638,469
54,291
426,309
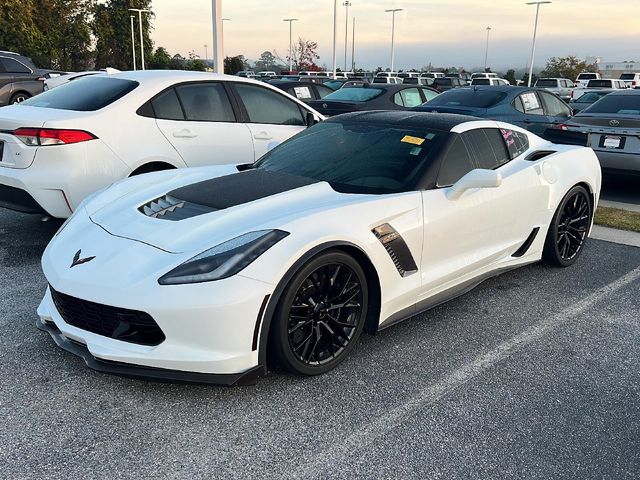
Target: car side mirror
310,119
477,178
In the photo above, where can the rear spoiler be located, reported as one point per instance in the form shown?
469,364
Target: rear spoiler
566,137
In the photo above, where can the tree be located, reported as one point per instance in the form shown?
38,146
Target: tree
305,54
233,65
111,28
566,67
510,76
269,61
160,59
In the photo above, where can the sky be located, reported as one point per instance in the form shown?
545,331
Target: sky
441,32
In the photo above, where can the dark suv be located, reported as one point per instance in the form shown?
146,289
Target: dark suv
447,83
19,78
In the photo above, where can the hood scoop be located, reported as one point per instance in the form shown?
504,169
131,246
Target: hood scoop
220,193
168,207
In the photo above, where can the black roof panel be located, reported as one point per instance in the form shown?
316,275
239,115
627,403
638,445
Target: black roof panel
436,121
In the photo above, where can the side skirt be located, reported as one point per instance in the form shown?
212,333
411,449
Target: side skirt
443,297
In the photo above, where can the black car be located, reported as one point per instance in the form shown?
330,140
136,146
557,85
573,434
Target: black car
447,83
19,78
535,109
374,97
302,90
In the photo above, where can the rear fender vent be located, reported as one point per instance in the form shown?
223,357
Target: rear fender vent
171,208
397,249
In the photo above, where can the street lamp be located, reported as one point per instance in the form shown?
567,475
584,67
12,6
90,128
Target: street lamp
133,44
140,10
346,4
216,21
290,20
393,30
335,36
353,46
205,52
486,52
535,30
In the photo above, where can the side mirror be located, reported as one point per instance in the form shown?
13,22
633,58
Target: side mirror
478,178
310,119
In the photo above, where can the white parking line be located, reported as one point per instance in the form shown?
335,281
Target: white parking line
432,393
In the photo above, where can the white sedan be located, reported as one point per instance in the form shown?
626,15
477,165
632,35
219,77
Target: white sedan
354,224
66,143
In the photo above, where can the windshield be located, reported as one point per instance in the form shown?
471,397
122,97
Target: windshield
587,76
627,76
615,104
359,94
468,97
546,83
84,94
357,157
599,83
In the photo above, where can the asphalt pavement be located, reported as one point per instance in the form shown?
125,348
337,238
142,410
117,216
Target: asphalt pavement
534,374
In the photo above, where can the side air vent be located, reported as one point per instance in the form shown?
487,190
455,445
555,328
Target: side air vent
527,243
537,155
397,249
171,208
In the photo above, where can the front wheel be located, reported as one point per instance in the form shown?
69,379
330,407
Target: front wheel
321,314
19,98
568,230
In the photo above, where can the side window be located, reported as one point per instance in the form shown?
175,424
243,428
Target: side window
487,147
554,106
167,106
531,104
205,102
265,106
398,100
517,104
429,94
411,97
517,143
13,66
456,164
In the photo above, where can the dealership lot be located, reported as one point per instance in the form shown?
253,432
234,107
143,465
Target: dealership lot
535,374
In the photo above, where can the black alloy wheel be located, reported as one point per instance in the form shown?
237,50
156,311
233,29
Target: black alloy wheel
321,314
569,227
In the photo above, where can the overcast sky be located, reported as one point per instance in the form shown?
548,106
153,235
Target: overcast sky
443,32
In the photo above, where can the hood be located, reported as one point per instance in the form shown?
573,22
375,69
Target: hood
211,207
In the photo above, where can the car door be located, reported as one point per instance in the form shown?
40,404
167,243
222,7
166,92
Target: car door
199,121
557,111
472,234
534,118
271,116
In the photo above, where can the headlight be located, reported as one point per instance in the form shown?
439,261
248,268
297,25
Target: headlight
224,260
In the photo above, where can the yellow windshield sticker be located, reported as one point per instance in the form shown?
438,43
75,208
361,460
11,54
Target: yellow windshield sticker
413,140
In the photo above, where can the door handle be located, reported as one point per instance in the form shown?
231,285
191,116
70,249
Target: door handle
184,133
263,136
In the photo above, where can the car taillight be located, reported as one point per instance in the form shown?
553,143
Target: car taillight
633,83
51,136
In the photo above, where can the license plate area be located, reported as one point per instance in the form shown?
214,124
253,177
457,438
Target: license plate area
612,142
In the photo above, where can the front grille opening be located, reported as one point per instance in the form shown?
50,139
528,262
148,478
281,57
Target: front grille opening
118,323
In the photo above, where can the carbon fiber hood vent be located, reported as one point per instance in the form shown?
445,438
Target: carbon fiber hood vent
168,207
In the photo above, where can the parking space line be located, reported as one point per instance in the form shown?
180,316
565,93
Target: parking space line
432,393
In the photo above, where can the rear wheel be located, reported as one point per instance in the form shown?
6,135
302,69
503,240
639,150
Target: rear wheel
568,230
321,314
19,98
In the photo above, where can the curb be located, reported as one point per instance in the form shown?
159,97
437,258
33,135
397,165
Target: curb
631,207
623,237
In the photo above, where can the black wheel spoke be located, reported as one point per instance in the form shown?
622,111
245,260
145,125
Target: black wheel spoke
325,314
572,225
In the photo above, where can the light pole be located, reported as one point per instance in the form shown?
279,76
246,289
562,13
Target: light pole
140,10
393,30
290,20
346,4
205,52
335,35
222,35
353,46
486,51
535,30
216,20
133,43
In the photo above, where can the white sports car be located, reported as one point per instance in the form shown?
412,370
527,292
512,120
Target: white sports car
353,224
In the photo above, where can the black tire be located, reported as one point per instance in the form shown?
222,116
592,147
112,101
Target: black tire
568,230
19,97
304,312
